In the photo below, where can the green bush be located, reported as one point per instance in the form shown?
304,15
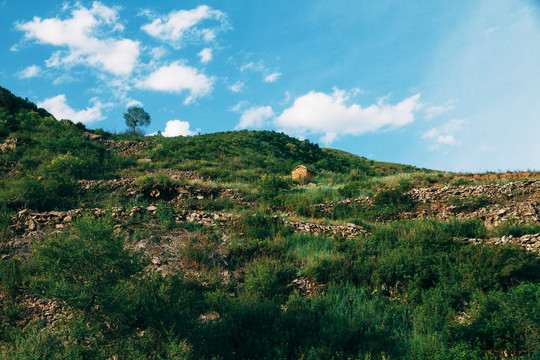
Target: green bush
352,188
388,204
502,322
266,278
272,188
11,276
85,268
5,221
258,226
162,305
40,194
66,166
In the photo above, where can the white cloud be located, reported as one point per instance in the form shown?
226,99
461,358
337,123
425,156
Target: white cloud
268,75
181,25
253,67
492,29
434,111
443,135
29,72
237,86
431,134
253,117
85,36
321,113
176,78
241,106
61,110
65,79
208,35
177,128
205,55
447,139
272,77
158,52
287,98
453,125
486,148
133,102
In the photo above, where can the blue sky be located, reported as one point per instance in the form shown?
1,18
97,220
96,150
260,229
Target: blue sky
436,84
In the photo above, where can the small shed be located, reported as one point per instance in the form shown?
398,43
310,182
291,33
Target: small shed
302,172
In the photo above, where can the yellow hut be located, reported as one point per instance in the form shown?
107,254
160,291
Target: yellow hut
302,172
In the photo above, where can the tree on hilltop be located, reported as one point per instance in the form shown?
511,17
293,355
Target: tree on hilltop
136,116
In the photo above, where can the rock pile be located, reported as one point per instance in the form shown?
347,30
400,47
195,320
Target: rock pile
26,221
127,147
201,193
93,137
107,185
518,201
164,250
183,175
161,191
526,188
348,230
306,286
208,219
36,308
328,206
529,243
8,144
502,176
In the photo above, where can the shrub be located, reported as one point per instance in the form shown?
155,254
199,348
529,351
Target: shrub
41,194
388,204
258,226
266,278
11,276
271,187
85,268
501,322
352,188
5,221
65,167
162,305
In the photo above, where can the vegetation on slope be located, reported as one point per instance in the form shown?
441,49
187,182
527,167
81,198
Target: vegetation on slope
251,288
246,155
44,158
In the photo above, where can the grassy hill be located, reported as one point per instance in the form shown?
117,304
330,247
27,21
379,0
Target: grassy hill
246,155
203,247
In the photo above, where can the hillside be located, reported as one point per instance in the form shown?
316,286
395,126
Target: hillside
203,247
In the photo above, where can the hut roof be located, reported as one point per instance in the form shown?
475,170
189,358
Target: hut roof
305,167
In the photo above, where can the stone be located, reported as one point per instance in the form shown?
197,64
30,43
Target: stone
151,208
